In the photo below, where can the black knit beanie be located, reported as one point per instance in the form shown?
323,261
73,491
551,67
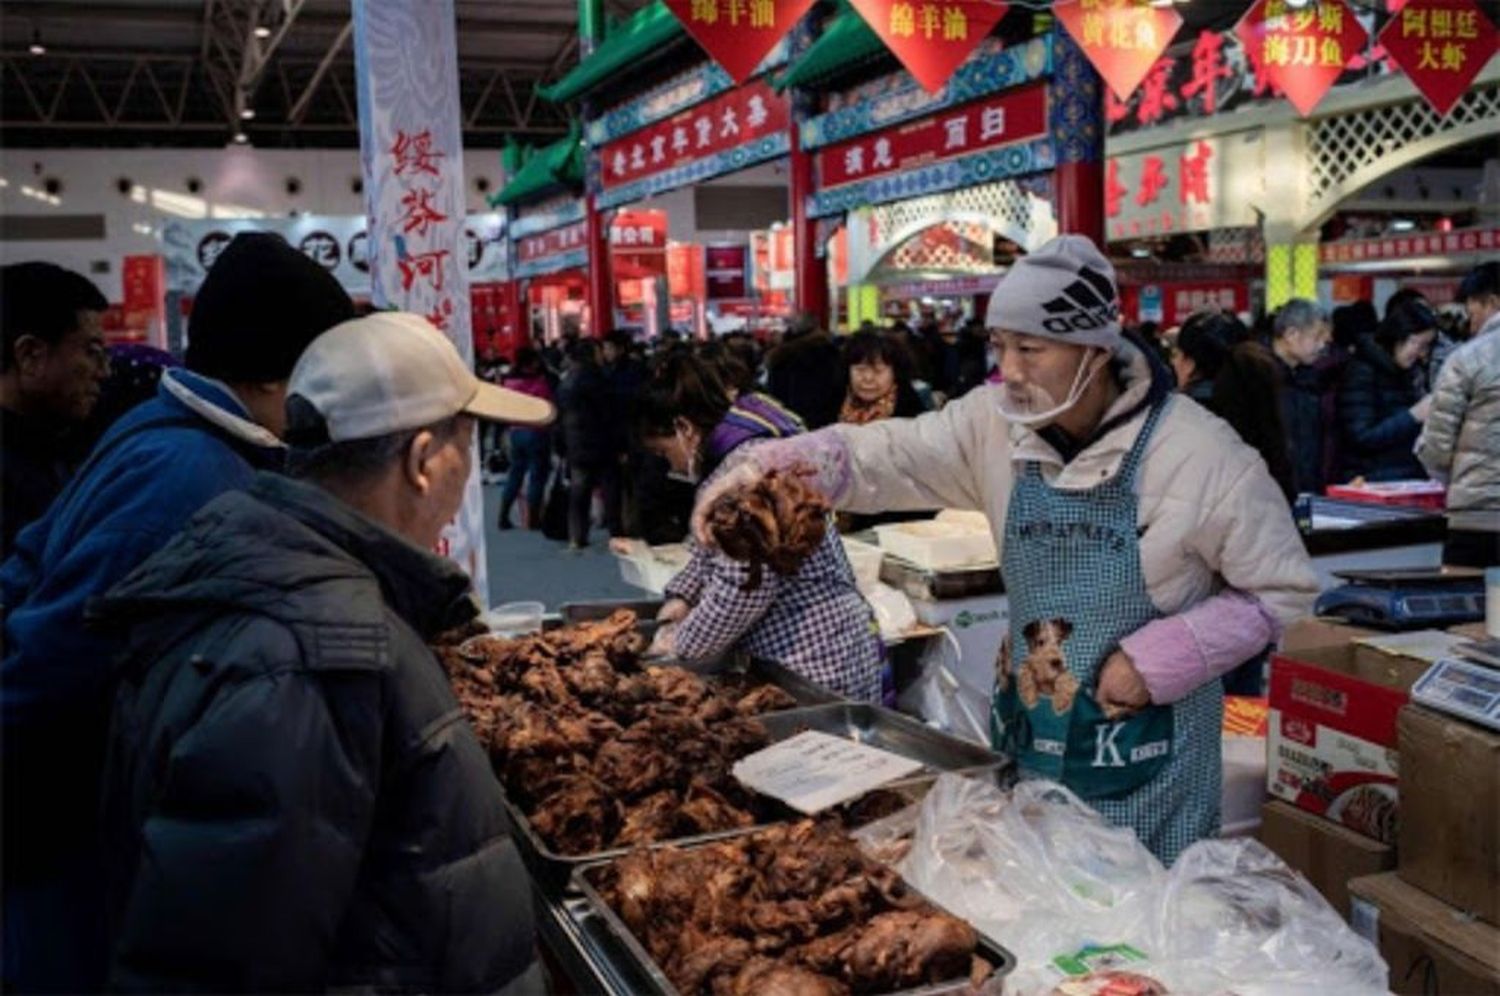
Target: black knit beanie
259,308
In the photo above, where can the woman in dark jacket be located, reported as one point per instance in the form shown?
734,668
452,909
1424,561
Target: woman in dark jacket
1381,409
1202,346
879,376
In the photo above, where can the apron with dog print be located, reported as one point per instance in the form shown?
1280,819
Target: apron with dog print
1072,567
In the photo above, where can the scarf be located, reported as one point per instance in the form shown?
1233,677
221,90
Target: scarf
856,412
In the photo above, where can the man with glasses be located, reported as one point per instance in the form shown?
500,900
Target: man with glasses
51,370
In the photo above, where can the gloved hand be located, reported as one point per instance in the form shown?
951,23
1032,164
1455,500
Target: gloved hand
745,475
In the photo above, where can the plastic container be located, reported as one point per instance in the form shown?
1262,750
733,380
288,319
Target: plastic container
514,618
866,559
652,568
941,543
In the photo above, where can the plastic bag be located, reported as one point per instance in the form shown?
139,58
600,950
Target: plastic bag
1233,915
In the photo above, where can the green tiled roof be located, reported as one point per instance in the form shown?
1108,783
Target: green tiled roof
559,166
644,35
846,41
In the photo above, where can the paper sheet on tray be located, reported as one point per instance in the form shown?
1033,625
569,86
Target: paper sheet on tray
813,771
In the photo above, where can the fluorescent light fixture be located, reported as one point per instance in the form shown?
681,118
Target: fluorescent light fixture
262,32
240,138
36,47
248,114
1403,225
1141,252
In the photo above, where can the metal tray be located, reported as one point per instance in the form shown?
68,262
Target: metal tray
807,693
577,612
892,731
866,724
932,586
621,944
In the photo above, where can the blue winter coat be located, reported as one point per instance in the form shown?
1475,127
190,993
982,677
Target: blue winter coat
146,478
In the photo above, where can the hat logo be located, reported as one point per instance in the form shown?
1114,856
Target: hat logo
1085,305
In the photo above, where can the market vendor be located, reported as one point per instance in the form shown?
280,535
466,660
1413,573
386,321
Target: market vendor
814,621
1146,550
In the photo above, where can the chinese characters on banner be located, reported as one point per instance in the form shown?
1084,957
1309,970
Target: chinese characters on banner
932,38
1441,45
639,231
555,242
728,121
1122,38
1193,186
1301,51
1401,247
1012,116
411,150
724,271
738,34
144,281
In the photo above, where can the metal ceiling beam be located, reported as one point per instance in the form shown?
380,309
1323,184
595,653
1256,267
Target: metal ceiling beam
301,105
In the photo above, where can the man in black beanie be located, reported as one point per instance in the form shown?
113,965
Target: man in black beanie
209,429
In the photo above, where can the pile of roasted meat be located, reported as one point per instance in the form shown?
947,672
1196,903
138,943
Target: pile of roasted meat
600,751
777,522
794,909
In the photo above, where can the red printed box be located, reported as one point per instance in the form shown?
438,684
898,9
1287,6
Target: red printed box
1413,494
1331,743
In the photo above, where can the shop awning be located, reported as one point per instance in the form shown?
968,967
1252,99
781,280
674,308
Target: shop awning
847,41
647,32
559,166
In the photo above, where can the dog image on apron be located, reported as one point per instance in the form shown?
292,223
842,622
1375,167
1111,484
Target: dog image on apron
1072,569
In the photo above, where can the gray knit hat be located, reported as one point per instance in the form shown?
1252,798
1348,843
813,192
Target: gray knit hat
1064,291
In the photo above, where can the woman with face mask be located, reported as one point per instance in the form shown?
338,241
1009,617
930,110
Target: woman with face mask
1145,548
814,621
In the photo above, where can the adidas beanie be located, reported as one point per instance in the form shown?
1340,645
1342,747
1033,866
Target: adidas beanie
259,308
1063,291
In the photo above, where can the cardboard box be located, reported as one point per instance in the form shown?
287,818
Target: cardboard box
1430,948
1450,810
1331,748
1326,854
1314,634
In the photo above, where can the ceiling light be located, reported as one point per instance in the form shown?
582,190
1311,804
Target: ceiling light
248,114
1141,252
261,31
1297,4
37,48
1403,225
240,138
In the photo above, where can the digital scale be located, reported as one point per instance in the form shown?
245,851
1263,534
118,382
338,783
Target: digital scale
1406,599
1467,687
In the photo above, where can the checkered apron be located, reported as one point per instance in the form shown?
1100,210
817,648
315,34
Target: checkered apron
1072,569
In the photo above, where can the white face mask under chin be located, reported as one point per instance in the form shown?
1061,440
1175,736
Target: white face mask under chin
691,474
1036,420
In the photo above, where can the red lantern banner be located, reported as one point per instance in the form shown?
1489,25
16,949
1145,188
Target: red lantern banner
1441,45
738,34
1122,38
931,39
1302,51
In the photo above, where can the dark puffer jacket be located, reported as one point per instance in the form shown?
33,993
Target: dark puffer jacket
293,799
1376,425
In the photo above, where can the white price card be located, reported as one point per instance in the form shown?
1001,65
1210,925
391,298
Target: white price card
813,771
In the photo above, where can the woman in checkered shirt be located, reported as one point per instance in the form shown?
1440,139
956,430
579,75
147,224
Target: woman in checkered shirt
815,621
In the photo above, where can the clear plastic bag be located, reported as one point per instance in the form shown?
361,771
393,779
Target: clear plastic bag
1232,914
1083,904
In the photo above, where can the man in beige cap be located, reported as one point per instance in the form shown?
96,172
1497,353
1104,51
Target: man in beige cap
293,801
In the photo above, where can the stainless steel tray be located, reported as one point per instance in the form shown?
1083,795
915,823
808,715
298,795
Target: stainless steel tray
934,586
892,731
807,693
577,612
866,724
621,944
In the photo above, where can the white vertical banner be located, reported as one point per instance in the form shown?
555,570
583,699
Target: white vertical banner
411,151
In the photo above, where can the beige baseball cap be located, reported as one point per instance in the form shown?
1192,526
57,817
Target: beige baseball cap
394,372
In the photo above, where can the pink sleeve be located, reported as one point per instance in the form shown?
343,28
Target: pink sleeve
824,452
1181,653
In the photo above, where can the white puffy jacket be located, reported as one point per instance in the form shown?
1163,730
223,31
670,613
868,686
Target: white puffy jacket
1210,514
1461,442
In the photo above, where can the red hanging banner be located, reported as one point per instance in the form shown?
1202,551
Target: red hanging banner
1302,51
738,34
1122,38
931,39
1441,45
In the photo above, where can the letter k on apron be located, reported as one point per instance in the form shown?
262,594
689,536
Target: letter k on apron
1072,567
